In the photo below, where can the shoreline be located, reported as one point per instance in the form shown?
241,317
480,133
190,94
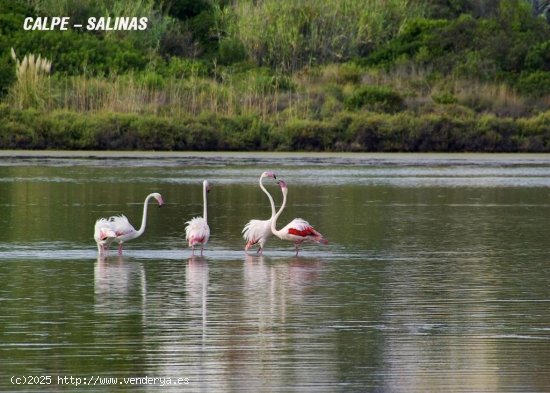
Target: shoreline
152,154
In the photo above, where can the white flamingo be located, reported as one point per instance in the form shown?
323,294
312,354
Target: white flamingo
103,234
258,231
197,230
120,227
298,230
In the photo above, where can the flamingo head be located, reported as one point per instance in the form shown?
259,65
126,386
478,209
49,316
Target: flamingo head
269,174
206,185
158,197
282,184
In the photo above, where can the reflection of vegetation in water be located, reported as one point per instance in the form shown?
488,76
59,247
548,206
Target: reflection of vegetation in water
286,75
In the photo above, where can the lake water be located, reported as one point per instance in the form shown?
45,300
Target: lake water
436,277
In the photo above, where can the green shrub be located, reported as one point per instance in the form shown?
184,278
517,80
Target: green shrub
185,68
413,36
240,132
349,73
375,98
151,80
263,81
444,98
357,131
12,15
231,50
538,57
536,83
201,137
7,72
309,135
75,53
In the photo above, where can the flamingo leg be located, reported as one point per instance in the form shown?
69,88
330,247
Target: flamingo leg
119,248
201,250
297,249
193,250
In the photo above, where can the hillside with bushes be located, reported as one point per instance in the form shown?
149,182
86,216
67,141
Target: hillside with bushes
297,75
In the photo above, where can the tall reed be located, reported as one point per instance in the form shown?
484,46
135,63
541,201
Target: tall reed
292,34
177,97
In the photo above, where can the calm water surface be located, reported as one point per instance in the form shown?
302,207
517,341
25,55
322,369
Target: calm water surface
436,277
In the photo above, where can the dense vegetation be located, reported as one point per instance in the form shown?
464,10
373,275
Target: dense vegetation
354,75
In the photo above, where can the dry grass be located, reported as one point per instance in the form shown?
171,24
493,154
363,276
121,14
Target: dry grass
176,97
317,93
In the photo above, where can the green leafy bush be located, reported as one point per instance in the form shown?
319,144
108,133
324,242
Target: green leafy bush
375,98
185,68
231,50
7,72
309,135
538,57
444,98
349,73
535,83
75,53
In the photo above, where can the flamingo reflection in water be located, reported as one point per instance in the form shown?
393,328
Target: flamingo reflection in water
115,285
196,287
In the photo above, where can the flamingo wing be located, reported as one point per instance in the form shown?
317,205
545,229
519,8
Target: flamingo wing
121,226
300,229
256,231
197,231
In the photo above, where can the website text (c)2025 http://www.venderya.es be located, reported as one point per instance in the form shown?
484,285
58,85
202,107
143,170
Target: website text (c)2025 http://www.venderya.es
95,380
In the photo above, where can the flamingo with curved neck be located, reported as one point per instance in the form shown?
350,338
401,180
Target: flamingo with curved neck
197,230
298,230
259,231
119,229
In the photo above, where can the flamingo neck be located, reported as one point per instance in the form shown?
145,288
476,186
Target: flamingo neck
144,218
204,215
276,216
269,196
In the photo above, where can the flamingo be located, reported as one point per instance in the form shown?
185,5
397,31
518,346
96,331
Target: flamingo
298,230
120,227
258,231
197,230
103,234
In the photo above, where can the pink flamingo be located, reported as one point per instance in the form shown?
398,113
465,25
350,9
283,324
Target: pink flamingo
298,230
258,231
120,227
197,230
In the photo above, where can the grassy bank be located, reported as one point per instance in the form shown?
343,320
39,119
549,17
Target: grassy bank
322,75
